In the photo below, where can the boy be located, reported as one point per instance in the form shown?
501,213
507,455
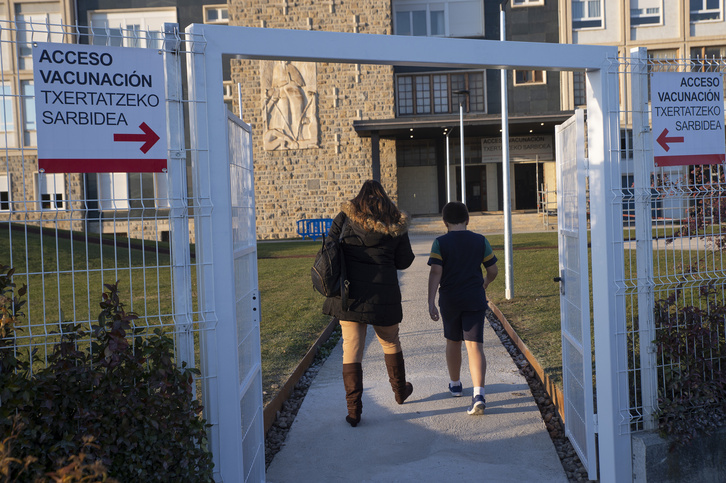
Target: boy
456,260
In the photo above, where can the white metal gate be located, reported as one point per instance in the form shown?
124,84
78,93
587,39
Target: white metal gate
575,289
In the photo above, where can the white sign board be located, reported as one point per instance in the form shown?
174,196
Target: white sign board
99,109
687,110
538,147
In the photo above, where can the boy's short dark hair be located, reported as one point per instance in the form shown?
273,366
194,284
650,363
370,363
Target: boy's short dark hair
455,212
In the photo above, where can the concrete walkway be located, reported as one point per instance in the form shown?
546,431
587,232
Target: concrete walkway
430,437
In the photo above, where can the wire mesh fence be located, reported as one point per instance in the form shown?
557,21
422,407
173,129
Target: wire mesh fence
67,235
673,241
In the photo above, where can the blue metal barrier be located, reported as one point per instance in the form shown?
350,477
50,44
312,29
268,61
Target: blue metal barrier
314,228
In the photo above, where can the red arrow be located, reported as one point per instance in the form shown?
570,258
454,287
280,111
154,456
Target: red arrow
149,137
663,140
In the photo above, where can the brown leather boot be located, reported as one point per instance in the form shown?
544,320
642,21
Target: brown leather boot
397,376
353,382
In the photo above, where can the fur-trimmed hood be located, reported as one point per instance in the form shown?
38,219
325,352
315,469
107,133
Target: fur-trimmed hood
370,224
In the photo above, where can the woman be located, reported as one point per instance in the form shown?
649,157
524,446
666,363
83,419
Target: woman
376,245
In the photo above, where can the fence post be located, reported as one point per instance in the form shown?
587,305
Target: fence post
214,255
603,136
643,169
178,216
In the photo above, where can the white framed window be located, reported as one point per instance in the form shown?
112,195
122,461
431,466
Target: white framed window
587,14
4,192
51,191
663,60
7,120
705,10
28,109
707,59
527,3
8,137
6,49
161,190
442,18
34,21
229,95
123,191
529,77
130,28
113,191
646,12
217,14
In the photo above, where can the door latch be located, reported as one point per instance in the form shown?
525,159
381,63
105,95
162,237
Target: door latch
561,281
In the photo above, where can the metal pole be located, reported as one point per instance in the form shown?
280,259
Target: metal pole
508,264
461,141
448,169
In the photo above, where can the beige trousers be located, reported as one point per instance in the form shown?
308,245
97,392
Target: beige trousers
354,340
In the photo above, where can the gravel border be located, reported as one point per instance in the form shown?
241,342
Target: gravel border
575,471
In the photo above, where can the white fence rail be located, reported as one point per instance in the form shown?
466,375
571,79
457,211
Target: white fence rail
673,248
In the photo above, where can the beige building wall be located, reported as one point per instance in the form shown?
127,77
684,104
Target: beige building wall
310,176
18,153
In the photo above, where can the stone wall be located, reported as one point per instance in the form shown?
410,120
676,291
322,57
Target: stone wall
291,184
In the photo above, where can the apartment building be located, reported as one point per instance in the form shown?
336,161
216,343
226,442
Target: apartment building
677,32
340,124
24,192
131,204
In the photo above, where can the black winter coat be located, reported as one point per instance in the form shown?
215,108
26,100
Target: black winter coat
374,252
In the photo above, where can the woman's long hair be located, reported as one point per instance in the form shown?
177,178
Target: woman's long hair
372,200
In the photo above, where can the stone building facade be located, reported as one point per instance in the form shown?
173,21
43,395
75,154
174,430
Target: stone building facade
312,177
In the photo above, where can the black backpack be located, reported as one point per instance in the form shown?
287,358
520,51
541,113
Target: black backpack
328,272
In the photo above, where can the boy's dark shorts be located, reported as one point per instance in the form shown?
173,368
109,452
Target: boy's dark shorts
463,325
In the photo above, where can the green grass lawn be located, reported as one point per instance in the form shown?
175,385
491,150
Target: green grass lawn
534,309
65,280
291,310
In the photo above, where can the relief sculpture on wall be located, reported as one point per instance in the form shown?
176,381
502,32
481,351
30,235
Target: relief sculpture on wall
289,98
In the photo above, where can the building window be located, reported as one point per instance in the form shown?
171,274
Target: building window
405,95
579,88
4,193
415,152
34,23
645,12
702,10
441,93
218,14
7,120
527,3
586,14
130,28
229,95
665,60
113,191
161,190
707,59
443,18
28,105
6,49
423,94
472,151
529,77
626,144
417,94
51,191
